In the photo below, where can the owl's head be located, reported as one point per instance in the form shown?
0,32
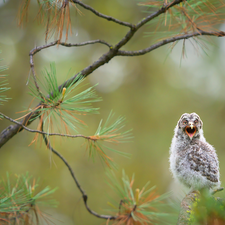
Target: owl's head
190,126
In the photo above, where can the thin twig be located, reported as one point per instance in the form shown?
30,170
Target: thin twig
85,43
217,190
109,18
34,77
41,132
167,41
162,10
84,195
39,48
145,20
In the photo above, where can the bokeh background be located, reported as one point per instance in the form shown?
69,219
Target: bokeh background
151,91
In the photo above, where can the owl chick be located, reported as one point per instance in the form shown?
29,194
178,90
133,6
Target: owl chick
193,161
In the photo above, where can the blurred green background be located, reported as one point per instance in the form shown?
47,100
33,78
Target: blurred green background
151,91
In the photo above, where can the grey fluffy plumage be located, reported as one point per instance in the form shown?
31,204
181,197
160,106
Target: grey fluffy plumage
193,161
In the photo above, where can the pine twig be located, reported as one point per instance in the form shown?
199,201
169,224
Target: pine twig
169,40
41,132
217,190
109,18
84,195
39,48
34,77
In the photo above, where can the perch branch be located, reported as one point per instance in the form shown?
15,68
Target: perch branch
84,195
186,207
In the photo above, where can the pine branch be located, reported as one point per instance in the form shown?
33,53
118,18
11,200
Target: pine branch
34,77
169,40
41,132
107,133
136,207
19,199
109,18
114,50
39,48
64,105
84,195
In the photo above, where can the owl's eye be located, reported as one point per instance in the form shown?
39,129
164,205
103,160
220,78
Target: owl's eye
196,121
185,122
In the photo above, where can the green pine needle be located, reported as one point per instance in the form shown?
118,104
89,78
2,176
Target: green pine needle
186,17
64,106
3,84
136,205
19,198
110,132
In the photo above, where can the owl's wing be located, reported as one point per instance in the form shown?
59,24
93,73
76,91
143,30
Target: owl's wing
203,159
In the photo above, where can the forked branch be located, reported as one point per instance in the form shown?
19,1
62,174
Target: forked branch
169,40
84,195
114,50
109,18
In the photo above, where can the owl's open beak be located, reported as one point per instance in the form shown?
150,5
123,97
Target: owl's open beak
190,130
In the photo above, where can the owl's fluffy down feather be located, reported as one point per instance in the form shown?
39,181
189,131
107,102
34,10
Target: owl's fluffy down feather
193,161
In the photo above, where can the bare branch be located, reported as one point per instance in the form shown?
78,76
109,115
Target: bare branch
84,195
167,41
12,130
34,77
39,48
41,132
157,13
136,27
85,43
109,18
217,190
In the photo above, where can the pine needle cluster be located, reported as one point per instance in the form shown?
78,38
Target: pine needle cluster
3,84
65,103
64,108
187,17
136,207
110,132
54,14
19,200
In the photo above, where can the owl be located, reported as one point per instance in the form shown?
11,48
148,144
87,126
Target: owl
193,161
